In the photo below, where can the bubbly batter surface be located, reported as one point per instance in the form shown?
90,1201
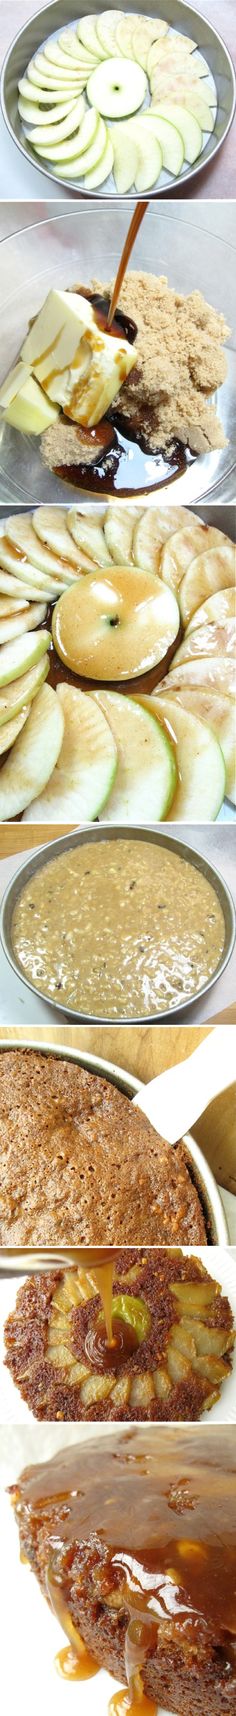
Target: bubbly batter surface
118,929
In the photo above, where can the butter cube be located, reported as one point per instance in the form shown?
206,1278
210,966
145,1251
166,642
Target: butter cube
14,381
76,362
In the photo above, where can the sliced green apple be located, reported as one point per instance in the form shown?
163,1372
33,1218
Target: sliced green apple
9,732
71,42
189,127
9,606
39,71
173,45
170,139
98,174
9,586
23,653
106,27
31,577
22,691
192,540
76,143
31,93
124,35
55,56
56,133
90,157
85,770
210,672
119,523
149,157
51,527
117,88
219,713
87,532
25,622
197,105
215,610
88,35
214,570
146,774
115,627
125,164
31,412
200,764
208,640
34,755
37,116
153,528
21,533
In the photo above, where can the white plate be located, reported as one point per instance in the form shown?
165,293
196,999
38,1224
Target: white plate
221,1265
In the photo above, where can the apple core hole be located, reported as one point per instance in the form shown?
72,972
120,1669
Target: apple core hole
114,621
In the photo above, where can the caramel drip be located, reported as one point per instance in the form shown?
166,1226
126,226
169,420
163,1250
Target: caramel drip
74,1667
73,1662
135,223
120,1703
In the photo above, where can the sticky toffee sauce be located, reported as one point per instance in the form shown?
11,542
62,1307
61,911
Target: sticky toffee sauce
157,1517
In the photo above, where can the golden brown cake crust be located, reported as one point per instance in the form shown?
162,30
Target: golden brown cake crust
78,1164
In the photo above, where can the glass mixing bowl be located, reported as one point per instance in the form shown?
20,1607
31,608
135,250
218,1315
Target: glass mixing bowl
87,242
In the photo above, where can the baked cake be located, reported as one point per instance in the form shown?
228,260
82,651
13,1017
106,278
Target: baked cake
172,1333
80,1165
133,1540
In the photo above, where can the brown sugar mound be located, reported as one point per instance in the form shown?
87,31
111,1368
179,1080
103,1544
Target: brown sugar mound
80,1164
175,1369
142,1502
180,361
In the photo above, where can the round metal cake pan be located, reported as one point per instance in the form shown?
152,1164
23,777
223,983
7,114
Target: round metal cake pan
208,1191
85,836
63,12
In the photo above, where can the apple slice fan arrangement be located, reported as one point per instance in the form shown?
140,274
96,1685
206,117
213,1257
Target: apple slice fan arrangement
118,100
117,666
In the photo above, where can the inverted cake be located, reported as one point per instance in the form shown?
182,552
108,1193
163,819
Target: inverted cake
169,1353
80,1164
133,1541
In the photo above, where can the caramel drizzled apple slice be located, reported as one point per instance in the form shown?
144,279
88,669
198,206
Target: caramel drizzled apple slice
89,536
190,541
208,572
50,524
208,640
214,611
119,527
114,626
219,713
151,530
13,627
22,691
146,776
200,783
21,532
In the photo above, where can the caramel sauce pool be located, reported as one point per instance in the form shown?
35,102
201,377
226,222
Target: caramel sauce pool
118,929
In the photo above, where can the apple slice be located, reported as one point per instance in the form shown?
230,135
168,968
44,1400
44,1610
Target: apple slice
25,622
34,755
9,732
88,534
146,775
170,139
219,713
21,692
198,105
10,606
149,158
52,133
114,626
8,587
184,546
79,140
172,45
215,610
119,523
42,77
30,93
91,156
29,577
21,533
153,528
17,657
188,125
98,174
208,640
55,56
200,764
208,572
106,27
51,527
125,160
30,411
209,672
37,116
124,35
117,88
70,42
80,784
15,380
88,35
